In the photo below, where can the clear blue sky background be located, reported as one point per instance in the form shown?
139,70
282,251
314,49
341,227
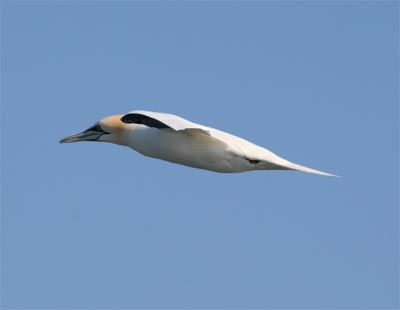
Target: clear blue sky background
97,225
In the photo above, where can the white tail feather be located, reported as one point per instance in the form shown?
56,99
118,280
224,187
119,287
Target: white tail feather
297,167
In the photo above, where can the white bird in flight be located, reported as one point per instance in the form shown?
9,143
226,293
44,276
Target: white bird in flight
174,139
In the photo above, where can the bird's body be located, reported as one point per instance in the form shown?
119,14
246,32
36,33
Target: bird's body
172,138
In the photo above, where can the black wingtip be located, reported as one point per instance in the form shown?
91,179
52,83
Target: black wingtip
136,118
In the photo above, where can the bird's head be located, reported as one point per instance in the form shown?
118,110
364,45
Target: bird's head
109,129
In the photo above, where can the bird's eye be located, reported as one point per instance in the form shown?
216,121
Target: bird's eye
96,128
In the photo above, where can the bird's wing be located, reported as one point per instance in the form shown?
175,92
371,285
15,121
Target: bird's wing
159,120
237,145
233,144
163,120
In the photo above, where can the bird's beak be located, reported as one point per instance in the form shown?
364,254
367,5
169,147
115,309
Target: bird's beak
87,135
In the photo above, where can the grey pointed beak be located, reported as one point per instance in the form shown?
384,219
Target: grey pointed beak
87,135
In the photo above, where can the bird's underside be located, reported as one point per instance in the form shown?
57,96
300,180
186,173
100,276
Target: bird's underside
195,148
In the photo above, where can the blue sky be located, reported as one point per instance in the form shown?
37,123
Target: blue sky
94,225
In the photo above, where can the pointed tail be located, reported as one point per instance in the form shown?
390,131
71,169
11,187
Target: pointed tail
293,166
274,161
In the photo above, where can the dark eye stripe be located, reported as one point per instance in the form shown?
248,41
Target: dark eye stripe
96,128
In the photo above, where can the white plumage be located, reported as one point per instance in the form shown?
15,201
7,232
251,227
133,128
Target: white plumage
172,138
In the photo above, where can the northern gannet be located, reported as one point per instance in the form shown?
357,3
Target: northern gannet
174,139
